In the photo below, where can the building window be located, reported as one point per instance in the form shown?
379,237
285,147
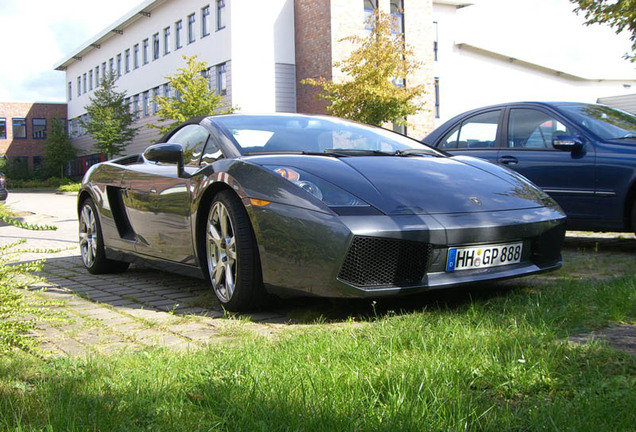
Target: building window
39,128
177,34
397,16
166,90
221,79
145,102
155,46
437,97
19,128
166,41
97,83
3,128
369,8
136,56
220,14
155,93
90,79
118,65
435,39
135,106
127,61
79,86
205,21
111,66
145,46
191,28
104,70
69,96
37,163
84,80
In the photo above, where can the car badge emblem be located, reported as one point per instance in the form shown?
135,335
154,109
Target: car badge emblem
475,201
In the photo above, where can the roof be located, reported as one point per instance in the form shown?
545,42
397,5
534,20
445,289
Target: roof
457,3
141,11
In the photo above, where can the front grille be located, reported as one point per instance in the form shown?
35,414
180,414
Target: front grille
374,262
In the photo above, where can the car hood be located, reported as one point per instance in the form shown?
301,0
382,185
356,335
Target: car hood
399,185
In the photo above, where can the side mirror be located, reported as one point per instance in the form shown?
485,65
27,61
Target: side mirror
166,153
567,143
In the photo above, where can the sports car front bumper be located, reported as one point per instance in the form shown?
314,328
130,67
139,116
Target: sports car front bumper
314,253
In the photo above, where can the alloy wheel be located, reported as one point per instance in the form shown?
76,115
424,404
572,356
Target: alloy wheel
221,252
88,236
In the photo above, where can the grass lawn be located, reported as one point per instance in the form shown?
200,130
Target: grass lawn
469,360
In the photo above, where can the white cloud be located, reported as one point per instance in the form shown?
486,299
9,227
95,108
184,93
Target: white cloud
38,33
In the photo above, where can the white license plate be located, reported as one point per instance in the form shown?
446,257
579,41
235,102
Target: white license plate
483,256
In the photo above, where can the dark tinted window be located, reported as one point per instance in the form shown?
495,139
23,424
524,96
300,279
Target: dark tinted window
479,131
192,138
533,129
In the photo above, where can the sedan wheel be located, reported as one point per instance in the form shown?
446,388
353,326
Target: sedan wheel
92,244
232,257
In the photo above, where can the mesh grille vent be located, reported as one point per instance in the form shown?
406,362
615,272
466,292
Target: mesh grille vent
374,262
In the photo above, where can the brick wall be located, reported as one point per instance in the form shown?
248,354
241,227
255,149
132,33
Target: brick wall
320,26
30,147
312,33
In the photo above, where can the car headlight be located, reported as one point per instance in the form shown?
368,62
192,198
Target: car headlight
327,192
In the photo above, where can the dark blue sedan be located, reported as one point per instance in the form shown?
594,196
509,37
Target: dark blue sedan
583,155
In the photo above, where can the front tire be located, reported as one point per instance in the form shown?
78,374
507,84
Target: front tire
91,242
231,253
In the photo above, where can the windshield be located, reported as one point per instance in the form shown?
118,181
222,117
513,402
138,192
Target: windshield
605,122
306,134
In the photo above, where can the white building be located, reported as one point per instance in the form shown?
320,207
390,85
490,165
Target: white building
259,51
472,72
255,73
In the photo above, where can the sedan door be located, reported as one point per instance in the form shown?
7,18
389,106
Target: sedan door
567,176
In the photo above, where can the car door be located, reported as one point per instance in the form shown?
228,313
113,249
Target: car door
158,201
477,135
567,176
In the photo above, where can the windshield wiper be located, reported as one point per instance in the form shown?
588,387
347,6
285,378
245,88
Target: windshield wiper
415,152
626,136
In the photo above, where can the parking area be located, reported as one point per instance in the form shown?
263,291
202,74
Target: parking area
108,313
147,308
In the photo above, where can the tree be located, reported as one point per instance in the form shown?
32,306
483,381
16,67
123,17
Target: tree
378,70
109,118
191,98
618,14
58,151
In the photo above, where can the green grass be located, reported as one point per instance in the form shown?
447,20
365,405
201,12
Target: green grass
477,360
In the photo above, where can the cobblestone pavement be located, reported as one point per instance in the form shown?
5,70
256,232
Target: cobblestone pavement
109,313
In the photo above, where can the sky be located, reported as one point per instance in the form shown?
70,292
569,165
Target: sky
37,34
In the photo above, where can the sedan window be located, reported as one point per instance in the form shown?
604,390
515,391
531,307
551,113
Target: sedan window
533,129
477,132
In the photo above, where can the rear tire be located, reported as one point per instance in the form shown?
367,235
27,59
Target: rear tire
233,264
92,243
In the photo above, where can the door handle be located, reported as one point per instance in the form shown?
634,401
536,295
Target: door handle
508,160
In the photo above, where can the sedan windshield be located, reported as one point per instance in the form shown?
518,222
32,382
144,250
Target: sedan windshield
605,122
315,135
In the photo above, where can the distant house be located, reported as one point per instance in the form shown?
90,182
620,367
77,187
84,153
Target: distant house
24,129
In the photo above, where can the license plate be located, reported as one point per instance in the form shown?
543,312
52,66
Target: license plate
483,256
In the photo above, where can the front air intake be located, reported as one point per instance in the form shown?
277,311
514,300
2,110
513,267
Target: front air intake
375,262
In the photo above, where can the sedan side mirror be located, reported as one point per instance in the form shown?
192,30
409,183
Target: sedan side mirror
166,153
567,143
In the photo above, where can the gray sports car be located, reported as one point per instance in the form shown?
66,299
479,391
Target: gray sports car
309,205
